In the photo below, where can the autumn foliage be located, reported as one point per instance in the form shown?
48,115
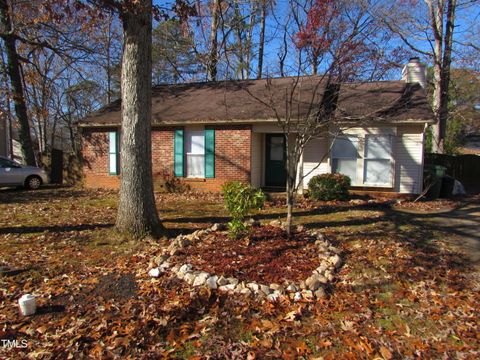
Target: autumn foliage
316,33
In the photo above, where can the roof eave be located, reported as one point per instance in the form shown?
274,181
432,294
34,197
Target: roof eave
258,121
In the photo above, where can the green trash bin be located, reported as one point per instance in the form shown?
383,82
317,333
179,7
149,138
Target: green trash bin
433,175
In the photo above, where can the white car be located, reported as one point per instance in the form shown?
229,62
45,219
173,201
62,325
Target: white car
14,174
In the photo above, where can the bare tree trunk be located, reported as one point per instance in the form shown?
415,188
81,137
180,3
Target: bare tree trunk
442,58
137,213
16,84
8,98
292,166
446,62
282,56
436,20
262,39
213,59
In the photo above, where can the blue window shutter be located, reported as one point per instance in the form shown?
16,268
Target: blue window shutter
209,153
113,153
178,153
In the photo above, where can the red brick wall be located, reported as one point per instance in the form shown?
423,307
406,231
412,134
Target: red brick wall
232,157
95,159
162,150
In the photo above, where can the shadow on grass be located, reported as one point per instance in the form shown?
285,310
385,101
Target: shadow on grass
426,258
45,193
52,228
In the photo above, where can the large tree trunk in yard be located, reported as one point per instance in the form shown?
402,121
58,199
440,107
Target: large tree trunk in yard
18,95
137,213
442,58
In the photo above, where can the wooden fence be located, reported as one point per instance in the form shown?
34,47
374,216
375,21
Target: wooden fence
465,168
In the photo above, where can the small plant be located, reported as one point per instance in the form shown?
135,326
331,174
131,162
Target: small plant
329,187
167,182
240,199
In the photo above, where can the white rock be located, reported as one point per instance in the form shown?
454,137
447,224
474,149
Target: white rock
273,297
241,285
189,278
320,293
253,286
222,281
218,227
313,282
335,260
322,268
185,268
276,223
201,278
265,289
212,282
277,287
292,288
227,288
155,272
307,294
251,222
232,280
300,228
246,291
164,266
297,296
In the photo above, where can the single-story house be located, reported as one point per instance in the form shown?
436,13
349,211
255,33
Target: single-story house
213,132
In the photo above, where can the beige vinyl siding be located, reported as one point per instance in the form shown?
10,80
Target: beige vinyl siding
407,157
314,152
408,153
257,159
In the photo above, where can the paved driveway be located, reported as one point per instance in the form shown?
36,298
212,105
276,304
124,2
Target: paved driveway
464,226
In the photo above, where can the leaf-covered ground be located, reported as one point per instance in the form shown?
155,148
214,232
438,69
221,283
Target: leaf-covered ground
403,293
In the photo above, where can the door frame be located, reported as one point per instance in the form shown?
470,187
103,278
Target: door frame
267,143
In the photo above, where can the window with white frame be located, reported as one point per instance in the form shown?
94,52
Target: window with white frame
377,165
344,157
195,153
113,153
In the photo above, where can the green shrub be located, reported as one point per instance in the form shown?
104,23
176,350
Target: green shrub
240,199
329,187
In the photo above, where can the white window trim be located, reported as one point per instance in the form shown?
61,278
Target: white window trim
186,154
357,158
389,158
361,135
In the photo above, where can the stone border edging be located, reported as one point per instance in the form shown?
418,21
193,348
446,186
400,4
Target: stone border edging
309,289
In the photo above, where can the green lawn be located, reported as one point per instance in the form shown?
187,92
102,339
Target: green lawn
402,293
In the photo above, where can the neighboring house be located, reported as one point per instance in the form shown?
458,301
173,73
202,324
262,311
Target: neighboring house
210,133
471,146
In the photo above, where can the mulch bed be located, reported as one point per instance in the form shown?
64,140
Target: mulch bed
266,255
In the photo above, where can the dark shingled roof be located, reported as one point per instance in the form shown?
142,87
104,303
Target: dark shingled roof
244,101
